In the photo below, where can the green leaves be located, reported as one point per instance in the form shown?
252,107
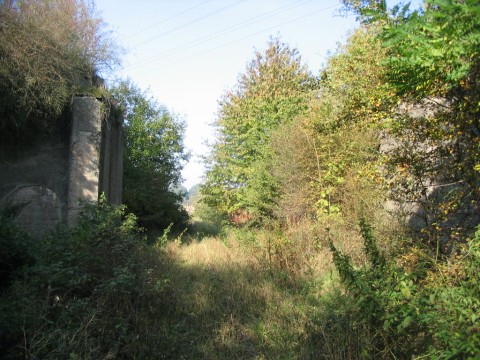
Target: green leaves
405,290
435,315
432,69
91,293
154,155
432,51
273,90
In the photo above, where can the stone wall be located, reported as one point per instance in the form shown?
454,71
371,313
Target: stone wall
420,206
50,176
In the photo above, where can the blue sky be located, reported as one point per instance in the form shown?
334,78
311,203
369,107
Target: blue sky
189,52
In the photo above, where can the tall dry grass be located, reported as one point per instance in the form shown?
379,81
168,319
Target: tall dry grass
264,293
230,304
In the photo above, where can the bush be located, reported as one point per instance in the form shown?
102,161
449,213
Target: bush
47,50
96,291
423,308
14,246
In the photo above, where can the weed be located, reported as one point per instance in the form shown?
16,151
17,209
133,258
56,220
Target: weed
95,291
407,313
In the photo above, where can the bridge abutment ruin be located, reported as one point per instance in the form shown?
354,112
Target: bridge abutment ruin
51,177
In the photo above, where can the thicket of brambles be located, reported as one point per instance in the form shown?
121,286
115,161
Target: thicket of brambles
88,292
308,186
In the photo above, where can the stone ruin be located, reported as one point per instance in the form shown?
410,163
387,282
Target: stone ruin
51,177
417,214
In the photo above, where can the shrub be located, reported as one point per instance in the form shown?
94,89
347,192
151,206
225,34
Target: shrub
14,246
426,308
96,291
47,50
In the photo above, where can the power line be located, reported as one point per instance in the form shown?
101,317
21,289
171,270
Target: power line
219,33
189,23
167,19
238,40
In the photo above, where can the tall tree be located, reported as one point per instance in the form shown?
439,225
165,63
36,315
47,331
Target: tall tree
273,90
327,162
154,155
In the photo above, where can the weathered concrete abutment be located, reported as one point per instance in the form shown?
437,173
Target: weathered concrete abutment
53,174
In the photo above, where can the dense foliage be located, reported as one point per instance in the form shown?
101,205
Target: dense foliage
274,89
333,148
422,300
433,62
416,306
49,50
86,293
14,246
154,155
387,136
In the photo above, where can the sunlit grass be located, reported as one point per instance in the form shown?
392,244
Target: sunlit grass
260,293
232,305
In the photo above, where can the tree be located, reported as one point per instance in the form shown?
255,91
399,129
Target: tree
366,10
47,51
274,89
433,65
154,155
194,191
432,50
326,163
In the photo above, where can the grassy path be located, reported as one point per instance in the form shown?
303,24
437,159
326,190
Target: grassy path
229,305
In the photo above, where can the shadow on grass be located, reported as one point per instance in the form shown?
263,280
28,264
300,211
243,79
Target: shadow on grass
233,310
199,230
194,231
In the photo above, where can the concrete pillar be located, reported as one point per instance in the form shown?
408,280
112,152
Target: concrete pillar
83,177
111,171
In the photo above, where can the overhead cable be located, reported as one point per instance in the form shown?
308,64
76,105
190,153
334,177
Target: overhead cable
188,23
238,40
167,19
219,33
